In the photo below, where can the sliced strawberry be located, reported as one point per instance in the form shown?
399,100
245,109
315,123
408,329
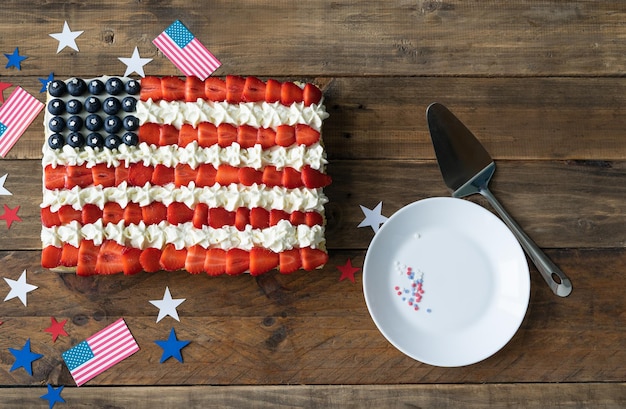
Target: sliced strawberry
290,93
237,261
272,176
121,174
311,94
132,214
154,213
207,134
259,218
297,218
219,217
253,90
194,263
49,218
103,175
54,177
68,214
194,89
215,262
87,257
110,258
168,135
285,135
266,137
246,136
186,135
215,89
262,260
305,135
151,88
277,215
112,213
173,88
226,135
162,175
242,218
205,175
131,263
227,174
272,91
172,259
249,176
291,178
139,174
90,213
312,258
200,215
234,89
184,175
150,133
289,261
179,213
51,257
69,255
78,176
313,178
150,260
314,219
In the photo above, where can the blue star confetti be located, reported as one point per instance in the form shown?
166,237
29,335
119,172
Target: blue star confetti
53,396
171,347
15,59
45,82
24,358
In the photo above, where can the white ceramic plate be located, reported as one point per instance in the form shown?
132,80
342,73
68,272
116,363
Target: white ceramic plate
473,277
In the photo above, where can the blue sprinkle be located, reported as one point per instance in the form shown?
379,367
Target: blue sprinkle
429,310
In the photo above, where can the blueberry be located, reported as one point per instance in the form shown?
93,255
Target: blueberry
74,123
96,87
57,88
111,105
130,138
131,123
76,87
76,140
114,86
112,141
129,104
56,107
74,106
92,104
112,124
95,140
56,124
132,87
93,122
55,141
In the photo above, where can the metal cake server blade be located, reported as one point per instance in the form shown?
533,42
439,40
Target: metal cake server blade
467,169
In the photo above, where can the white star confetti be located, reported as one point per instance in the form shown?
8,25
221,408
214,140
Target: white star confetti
167,306
135,63
66,38
3,190
373,217
19,288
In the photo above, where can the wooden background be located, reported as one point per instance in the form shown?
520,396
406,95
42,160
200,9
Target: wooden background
542,85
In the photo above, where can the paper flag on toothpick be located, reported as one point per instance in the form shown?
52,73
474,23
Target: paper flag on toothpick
100,351
16,114
186,52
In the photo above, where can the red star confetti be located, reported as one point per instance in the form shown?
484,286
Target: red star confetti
56,329
10,215
347,271
3,86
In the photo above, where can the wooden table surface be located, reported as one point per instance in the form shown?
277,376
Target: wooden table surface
541,83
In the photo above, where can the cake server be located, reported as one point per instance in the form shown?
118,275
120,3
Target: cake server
467,169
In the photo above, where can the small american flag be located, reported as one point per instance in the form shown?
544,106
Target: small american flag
16,114
100,351
186,51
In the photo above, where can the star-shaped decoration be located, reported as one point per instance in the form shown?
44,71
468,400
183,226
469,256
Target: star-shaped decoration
56,329
3,86
53,396
24,358
135,63
167,306
45,82
3,190
171,347
373,217
19,288
66,38
15,59
10,215
347,271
